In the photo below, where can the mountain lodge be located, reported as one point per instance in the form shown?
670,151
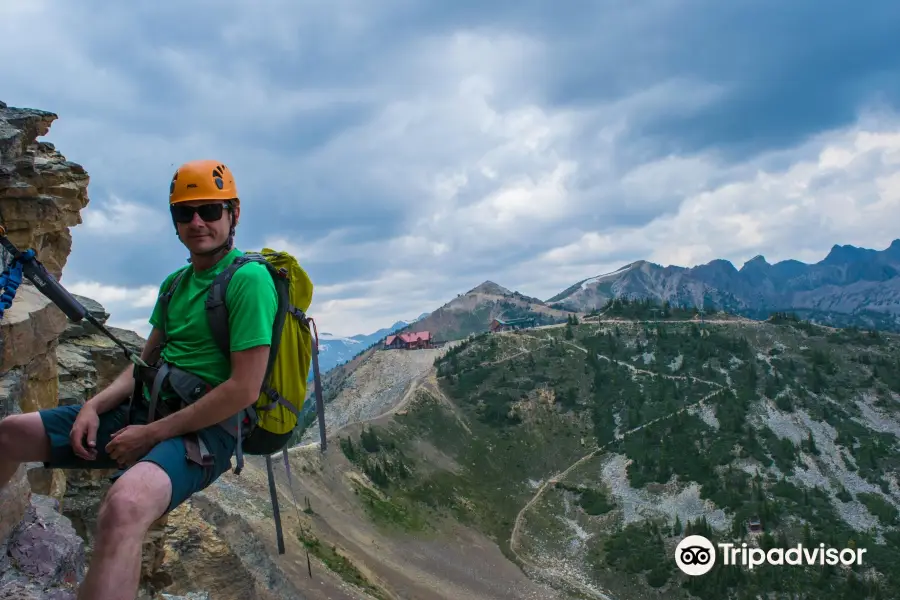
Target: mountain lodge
409,341
511,324
755,525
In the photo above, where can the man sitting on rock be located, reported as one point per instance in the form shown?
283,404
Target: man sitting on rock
157,458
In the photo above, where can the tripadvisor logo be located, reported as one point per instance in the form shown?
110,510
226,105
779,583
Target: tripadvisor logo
696,555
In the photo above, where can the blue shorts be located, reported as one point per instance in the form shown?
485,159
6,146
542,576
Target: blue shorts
187,476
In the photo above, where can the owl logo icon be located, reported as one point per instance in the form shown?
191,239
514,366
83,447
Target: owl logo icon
695,555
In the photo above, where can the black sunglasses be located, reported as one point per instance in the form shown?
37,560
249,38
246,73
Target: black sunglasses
208,212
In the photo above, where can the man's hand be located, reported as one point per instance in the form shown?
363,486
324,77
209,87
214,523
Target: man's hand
83,436
131,443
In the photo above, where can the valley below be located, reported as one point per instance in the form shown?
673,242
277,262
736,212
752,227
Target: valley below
568,461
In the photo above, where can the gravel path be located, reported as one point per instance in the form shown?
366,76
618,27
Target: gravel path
568,578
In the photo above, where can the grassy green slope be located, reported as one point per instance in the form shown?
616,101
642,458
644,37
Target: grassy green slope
679,427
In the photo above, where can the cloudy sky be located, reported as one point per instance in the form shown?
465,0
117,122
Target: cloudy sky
412,149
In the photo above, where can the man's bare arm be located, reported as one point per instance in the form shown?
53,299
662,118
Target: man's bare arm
248,367
122,386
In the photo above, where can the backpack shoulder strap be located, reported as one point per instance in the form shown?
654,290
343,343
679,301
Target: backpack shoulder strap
166,296
217,309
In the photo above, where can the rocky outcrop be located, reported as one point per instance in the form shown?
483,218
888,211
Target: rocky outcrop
88,361
44,556
375,387
41,194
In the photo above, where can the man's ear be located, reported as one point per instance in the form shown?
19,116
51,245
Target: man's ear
236,212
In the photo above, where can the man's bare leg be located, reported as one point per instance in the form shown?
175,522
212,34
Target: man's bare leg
133,503
22,439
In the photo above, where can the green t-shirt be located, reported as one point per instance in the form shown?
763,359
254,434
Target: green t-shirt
252,303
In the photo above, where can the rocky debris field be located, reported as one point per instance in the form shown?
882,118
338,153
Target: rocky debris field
43,557
375,387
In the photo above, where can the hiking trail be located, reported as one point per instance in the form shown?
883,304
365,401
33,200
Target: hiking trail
515,536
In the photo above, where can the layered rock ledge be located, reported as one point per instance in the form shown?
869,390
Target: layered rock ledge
41,193
41,196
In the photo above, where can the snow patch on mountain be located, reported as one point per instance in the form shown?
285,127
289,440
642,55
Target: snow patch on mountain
594,280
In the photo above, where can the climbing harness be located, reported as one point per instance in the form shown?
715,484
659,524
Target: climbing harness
25,264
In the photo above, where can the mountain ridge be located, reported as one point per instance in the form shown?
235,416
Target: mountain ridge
473,311
850,285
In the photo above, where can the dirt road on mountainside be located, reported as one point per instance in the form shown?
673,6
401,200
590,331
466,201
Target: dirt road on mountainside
516,535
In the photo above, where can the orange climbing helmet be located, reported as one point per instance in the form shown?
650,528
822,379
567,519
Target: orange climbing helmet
202,180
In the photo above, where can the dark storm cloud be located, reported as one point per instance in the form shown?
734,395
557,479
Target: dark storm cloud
429,133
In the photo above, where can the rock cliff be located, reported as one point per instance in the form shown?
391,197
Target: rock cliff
45,360
41,194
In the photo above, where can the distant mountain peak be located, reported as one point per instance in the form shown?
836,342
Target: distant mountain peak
846,254
722,263
756,262
324,335
716,268
894,249
848,281
489,287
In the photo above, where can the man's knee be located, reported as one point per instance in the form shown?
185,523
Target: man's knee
136,499
22,438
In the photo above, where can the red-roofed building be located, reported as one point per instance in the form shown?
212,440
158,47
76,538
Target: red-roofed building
409,341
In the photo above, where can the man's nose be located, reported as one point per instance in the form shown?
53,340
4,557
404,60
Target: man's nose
196,221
